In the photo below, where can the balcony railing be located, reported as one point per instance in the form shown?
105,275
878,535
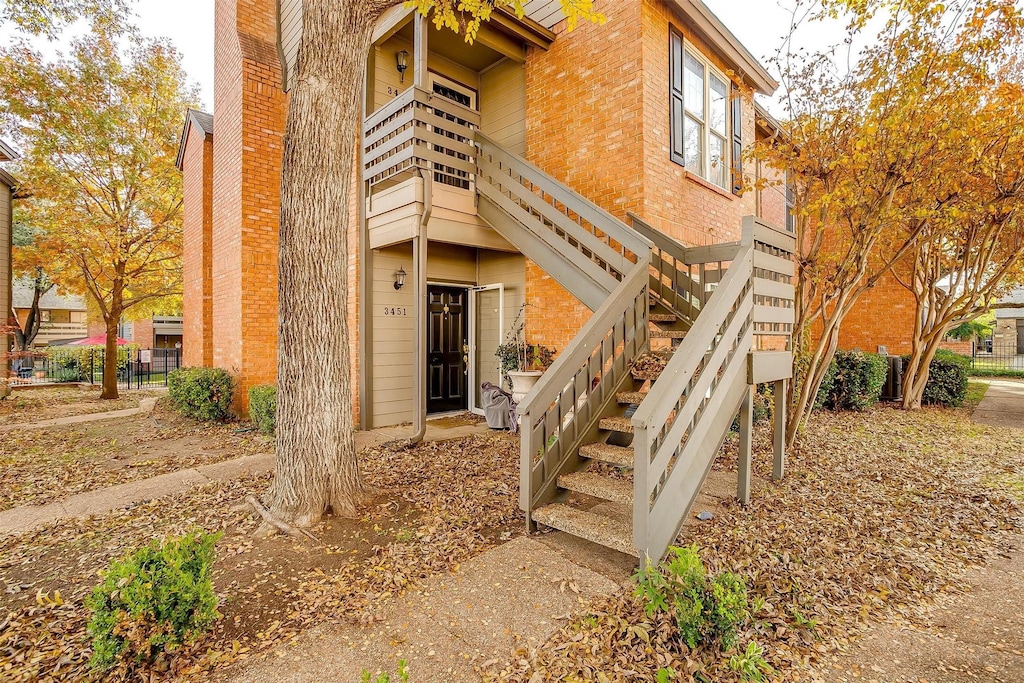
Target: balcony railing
419,129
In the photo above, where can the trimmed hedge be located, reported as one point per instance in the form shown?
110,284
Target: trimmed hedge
947,379
201,393
263,407
853,381
153,601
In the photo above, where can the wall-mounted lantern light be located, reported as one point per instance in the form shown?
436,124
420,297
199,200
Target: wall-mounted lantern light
399,278
402,62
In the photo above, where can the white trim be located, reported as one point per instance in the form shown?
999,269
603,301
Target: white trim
473,291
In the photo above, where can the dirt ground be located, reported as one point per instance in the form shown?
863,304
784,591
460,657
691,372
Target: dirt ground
45,465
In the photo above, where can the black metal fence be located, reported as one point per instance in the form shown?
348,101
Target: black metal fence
996,358
136,368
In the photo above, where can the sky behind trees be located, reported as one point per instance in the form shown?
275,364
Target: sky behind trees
758,24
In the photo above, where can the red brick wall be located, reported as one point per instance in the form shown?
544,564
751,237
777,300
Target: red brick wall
884,315
584,123
250,110
142,333
197,227
675,201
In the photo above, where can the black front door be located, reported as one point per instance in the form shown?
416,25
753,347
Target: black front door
447,349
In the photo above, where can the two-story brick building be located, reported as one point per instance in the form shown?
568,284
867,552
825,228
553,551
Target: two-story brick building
595,176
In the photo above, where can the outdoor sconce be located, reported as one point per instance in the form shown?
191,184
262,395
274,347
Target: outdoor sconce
402,63
399,278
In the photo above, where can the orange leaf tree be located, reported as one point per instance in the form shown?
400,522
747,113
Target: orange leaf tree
100,128
868,148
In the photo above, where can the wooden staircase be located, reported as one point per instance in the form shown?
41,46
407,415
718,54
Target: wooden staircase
633,412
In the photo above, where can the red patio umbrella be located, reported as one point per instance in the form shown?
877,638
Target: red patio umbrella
97,340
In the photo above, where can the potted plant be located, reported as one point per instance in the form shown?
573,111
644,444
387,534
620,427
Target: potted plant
522,363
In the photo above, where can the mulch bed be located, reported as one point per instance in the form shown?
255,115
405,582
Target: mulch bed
880,512
41,466
434,507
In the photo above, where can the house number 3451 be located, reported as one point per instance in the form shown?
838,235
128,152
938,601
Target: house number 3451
390,310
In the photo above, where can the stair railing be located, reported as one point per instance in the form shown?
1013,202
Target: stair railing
587,250
601,261
681,423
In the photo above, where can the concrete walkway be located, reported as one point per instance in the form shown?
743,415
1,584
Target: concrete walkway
519,593
145,407
110,498
1003,405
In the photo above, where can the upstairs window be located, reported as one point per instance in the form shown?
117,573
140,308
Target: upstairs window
700,114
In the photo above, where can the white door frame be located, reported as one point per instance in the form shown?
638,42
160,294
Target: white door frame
500,287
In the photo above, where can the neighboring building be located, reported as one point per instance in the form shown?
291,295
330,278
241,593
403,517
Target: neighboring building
63,317
1008,336
158,332
8,193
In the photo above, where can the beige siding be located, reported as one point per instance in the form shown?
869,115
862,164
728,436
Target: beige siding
393,322
386,82
291,31
510,270
503,105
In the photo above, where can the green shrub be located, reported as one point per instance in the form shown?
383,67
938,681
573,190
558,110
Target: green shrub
152,601
947,379
853,381
263,407
707,610
750,664
402,675
201,393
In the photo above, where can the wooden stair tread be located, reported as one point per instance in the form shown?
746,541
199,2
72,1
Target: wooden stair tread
668,334
628,398
605,452
598,486
662,317
616,424
611,532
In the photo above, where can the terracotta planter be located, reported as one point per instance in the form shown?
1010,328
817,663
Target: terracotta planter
522,382
40,374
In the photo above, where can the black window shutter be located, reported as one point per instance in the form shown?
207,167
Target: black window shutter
737,141
676,96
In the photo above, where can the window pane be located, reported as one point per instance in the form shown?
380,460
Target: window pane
693,146
718,93
719,161
694,83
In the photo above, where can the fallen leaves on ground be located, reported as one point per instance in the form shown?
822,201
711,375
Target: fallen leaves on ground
24,406
39,466
436,506
879,513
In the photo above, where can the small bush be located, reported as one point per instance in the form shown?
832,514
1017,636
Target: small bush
201,393
402,675
750,664
263,407
854,381
947,379
707,610
152,601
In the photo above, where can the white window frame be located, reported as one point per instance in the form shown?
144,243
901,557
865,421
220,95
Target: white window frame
677,152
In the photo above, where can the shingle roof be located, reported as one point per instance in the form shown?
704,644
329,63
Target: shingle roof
21,297
199,119
1014,297
7,152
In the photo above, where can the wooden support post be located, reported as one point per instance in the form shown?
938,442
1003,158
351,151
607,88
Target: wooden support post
779,431
746,433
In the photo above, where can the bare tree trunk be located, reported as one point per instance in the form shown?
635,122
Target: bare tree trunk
110,356
316,468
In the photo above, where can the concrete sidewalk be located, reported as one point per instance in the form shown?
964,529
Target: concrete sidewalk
112,497
519,593
145,407
1003,405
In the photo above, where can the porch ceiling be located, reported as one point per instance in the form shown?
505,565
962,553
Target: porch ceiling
451,46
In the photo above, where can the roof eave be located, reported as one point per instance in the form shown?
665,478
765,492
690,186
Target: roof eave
7,152
186,129
731,48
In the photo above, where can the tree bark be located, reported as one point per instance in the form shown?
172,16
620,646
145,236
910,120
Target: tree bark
316,470
110,358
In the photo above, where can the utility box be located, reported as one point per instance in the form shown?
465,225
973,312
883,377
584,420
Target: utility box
893,389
